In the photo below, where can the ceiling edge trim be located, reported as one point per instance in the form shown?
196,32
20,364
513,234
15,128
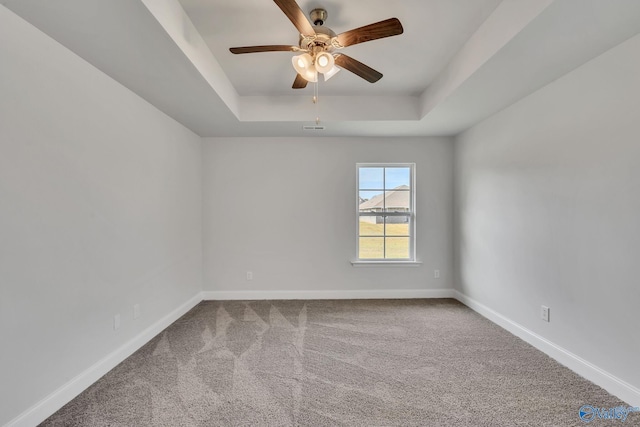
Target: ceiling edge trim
506,21
172,17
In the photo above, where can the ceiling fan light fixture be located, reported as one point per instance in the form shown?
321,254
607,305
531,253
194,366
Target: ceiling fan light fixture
332,72
311,76
324,62
303,64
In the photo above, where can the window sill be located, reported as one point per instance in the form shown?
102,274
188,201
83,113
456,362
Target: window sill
386,263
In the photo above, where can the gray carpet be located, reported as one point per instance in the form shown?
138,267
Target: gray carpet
325,363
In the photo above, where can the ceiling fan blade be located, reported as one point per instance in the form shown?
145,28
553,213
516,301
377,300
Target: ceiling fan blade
299,82
296,16
269,48
379,30
358,68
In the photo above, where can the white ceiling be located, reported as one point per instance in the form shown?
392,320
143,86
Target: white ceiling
457,62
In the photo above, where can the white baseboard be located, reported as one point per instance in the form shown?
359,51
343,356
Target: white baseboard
329,294
617,387
56,400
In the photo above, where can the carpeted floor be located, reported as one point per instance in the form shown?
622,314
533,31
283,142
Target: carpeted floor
324,363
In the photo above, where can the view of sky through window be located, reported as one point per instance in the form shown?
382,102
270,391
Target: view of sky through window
375,178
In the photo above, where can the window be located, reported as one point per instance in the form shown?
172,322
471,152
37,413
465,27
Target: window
386,212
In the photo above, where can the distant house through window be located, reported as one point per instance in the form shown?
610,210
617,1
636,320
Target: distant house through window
386,214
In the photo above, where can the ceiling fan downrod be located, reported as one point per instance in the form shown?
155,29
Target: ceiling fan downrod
318,16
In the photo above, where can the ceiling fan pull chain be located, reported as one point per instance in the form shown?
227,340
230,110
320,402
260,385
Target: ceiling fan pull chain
315,100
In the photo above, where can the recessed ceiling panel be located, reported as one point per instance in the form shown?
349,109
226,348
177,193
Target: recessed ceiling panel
434,30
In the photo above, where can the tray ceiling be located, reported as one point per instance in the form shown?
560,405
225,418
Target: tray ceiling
458,61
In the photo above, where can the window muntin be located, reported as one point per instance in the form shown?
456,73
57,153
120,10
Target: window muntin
386,213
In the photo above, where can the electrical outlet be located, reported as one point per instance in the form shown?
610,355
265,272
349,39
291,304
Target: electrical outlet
136,311
436,274
545,313
116,322
249,275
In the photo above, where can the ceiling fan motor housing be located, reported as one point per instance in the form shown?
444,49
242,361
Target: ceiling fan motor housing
322,40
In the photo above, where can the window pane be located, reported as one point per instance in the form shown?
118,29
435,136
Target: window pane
397,226
398,200
371,248
371,178
371,201
397,177
397,247
371,225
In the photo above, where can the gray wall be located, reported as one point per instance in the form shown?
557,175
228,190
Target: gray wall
284,208
547,206
100,208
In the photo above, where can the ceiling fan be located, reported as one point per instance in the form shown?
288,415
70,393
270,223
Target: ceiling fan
317,45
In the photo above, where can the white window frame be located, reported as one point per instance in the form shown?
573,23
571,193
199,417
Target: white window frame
412,217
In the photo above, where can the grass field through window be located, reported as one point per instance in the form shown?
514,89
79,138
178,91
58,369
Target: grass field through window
374,247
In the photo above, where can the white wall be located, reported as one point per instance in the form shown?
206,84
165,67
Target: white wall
100,208
284,208
548,211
